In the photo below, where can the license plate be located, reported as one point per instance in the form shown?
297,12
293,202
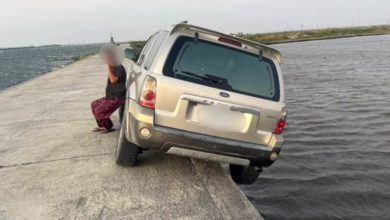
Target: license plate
220,117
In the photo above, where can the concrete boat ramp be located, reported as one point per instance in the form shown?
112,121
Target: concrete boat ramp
53,167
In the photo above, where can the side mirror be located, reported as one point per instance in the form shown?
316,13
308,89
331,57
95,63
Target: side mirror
130,53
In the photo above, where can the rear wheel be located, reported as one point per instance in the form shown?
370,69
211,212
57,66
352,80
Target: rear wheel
126,153
244,174
120,111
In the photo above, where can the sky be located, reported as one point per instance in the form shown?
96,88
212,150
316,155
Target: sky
43,22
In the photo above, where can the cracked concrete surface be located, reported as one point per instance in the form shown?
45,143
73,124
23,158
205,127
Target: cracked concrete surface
53,167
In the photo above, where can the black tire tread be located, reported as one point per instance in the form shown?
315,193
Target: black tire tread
128,152
245,175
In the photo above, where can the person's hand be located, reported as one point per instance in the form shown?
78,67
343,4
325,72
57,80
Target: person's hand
113,78
109,68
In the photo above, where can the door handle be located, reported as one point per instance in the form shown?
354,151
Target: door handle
244,110
199,101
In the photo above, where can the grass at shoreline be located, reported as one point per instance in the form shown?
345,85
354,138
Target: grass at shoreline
137,44
317,34
304,35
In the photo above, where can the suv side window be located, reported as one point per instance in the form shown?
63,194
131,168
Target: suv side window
146,48
155,48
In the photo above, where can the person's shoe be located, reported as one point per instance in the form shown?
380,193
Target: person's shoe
105,130
97,129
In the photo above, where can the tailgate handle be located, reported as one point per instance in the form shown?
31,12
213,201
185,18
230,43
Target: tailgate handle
244,110
199,101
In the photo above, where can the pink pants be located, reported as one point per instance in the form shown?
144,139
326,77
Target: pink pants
103,108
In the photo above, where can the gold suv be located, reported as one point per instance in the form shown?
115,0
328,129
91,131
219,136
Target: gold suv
199,93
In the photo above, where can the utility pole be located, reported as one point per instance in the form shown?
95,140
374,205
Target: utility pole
112,39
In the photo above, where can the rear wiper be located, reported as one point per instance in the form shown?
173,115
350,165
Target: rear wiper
209,78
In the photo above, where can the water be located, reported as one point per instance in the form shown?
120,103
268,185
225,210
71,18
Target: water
21,64
335,163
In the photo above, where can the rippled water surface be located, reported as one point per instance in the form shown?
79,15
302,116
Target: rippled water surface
335,163
21,64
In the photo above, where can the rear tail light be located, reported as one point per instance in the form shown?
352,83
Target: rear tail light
281,123
280,126
148,93
230,41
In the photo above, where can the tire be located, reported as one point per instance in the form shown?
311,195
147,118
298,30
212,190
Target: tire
126,153
244,174
121,110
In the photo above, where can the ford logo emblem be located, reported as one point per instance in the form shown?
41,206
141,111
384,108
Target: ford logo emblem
224,94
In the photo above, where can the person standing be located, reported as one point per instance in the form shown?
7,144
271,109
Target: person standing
102,108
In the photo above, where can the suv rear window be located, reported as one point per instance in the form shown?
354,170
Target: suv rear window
222,67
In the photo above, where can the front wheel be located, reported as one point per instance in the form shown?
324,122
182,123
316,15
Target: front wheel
244,174
126,153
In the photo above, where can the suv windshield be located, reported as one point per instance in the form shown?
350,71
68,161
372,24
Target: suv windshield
222,67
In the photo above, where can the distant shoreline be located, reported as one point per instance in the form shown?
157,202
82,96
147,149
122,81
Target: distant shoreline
305,35
278,37
16,48
316,34
324,38
28,47
48,45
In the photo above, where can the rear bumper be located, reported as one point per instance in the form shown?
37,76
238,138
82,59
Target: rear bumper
191,144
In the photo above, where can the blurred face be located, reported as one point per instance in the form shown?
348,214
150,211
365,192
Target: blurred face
108,57
111,55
